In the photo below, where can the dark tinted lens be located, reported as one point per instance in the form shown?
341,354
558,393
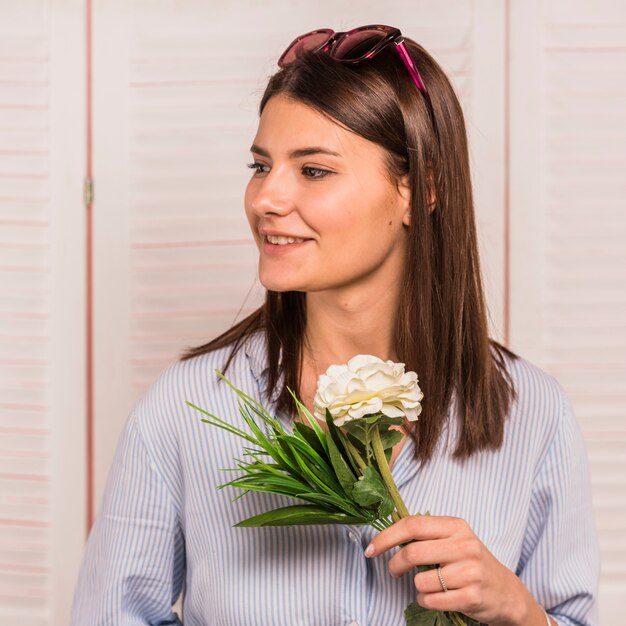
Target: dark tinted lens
310,42
358,44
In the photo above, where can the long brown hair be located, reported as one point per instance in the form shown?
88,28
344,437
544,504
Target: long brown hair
441,323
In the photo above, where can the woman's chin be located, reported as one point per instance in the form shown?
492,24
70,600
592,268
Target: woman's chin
279,285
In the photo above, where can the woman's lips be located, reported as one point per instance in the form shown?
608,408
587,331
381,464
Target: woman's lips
278,249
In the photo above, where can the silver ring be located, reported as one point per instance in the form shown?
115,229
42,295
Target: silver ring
441,580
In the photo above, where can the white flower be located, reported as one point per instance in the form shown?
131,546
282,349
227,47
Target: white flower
365,386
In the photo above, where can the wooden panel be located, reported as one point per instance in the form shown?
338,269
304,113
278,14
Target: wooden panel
25,272
35,350
569,276
42,503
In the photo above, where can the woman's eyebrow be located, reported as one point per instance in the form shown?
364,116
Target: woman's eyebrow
299,152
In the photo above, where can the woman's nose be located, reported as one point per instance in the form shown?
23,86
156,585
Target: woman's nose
273,194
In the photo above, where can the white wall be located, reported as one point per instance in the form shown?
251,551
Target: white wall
176,86
42,381
568,264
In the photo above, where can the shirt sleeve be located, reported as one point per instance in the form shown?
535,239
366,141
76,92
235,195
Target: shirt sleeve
560,562
133,567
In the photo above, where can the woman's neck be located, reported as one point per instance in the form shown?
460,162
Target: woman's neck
340,327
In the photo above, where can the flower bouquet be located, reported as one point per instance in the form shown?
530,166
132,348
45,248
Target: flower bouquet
342,475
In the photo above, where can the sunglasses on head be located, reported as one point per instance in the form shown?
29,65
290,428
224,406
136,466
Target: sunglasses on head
353,46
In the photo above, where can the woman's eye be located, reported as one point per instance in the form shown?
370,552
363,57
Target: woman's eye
258,168
308,172
314,172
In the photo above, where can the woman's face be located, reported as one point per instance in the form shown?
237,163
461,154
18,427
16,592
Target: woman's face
314,180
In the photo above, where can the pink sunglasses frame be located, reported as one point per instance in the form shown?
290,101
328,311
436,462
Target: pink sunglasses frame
334,40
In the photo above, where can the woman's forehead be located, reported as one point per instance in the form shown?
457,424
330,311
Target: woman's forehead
294,129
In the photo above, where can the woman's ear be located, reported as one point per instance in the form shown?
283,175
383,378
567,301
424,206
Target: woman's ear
405,193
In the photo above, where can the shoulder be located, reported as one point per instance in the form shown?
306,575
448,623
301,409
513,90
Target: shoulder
162,413
541,406
536,389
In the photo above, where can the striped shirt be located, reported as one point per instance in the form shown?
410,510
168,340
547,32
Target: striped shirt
164,528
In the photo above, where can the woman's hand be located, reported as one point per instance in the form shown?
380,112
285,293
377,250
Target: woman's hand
478,585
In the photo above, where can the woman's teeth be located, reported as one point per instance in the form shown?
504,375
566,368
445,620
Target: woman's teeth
281,241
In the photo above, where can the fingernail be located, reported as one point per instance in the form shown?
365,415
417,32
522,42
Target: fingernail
369,551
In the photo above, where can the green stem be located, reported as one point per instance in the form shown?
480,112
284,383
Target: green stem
383,466
355,454
457,619
381,524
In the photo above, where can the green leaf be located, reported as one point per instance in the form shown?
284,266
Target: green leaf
347,453
344,474
416,615
333,432
346,506
390,438
357,443
308,434
263,440
362,429
357,430
281,440
268,484
369,489
322,483
272,443
255,406
220,423
386,508
382,420
298,514
302,410
305,450
372,491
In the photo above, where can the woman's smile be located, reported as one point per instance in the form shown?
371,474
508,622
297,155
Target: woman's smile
279,246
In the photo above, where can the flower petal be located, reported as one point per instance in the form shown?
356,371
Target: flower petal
367,385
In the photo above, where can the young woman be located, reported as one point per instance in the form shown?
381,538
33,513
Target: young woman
361,206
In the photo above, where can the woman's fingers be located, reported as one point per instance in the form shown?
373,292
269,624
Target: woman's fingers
418,527
455,576
425,553
450,601
429,540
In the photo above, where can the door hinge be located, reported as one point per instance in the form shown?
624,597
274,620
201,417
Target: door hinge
88,191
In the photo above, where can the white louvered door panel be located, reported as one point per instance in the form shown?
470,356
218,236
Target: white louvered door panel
25,538
569,258
42,504
175,113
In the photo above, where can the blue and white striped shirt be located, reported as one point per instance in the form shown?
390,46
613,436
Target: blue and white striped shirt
163,525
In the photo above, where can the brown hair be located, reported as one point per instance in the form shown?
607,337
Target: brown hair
441,324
